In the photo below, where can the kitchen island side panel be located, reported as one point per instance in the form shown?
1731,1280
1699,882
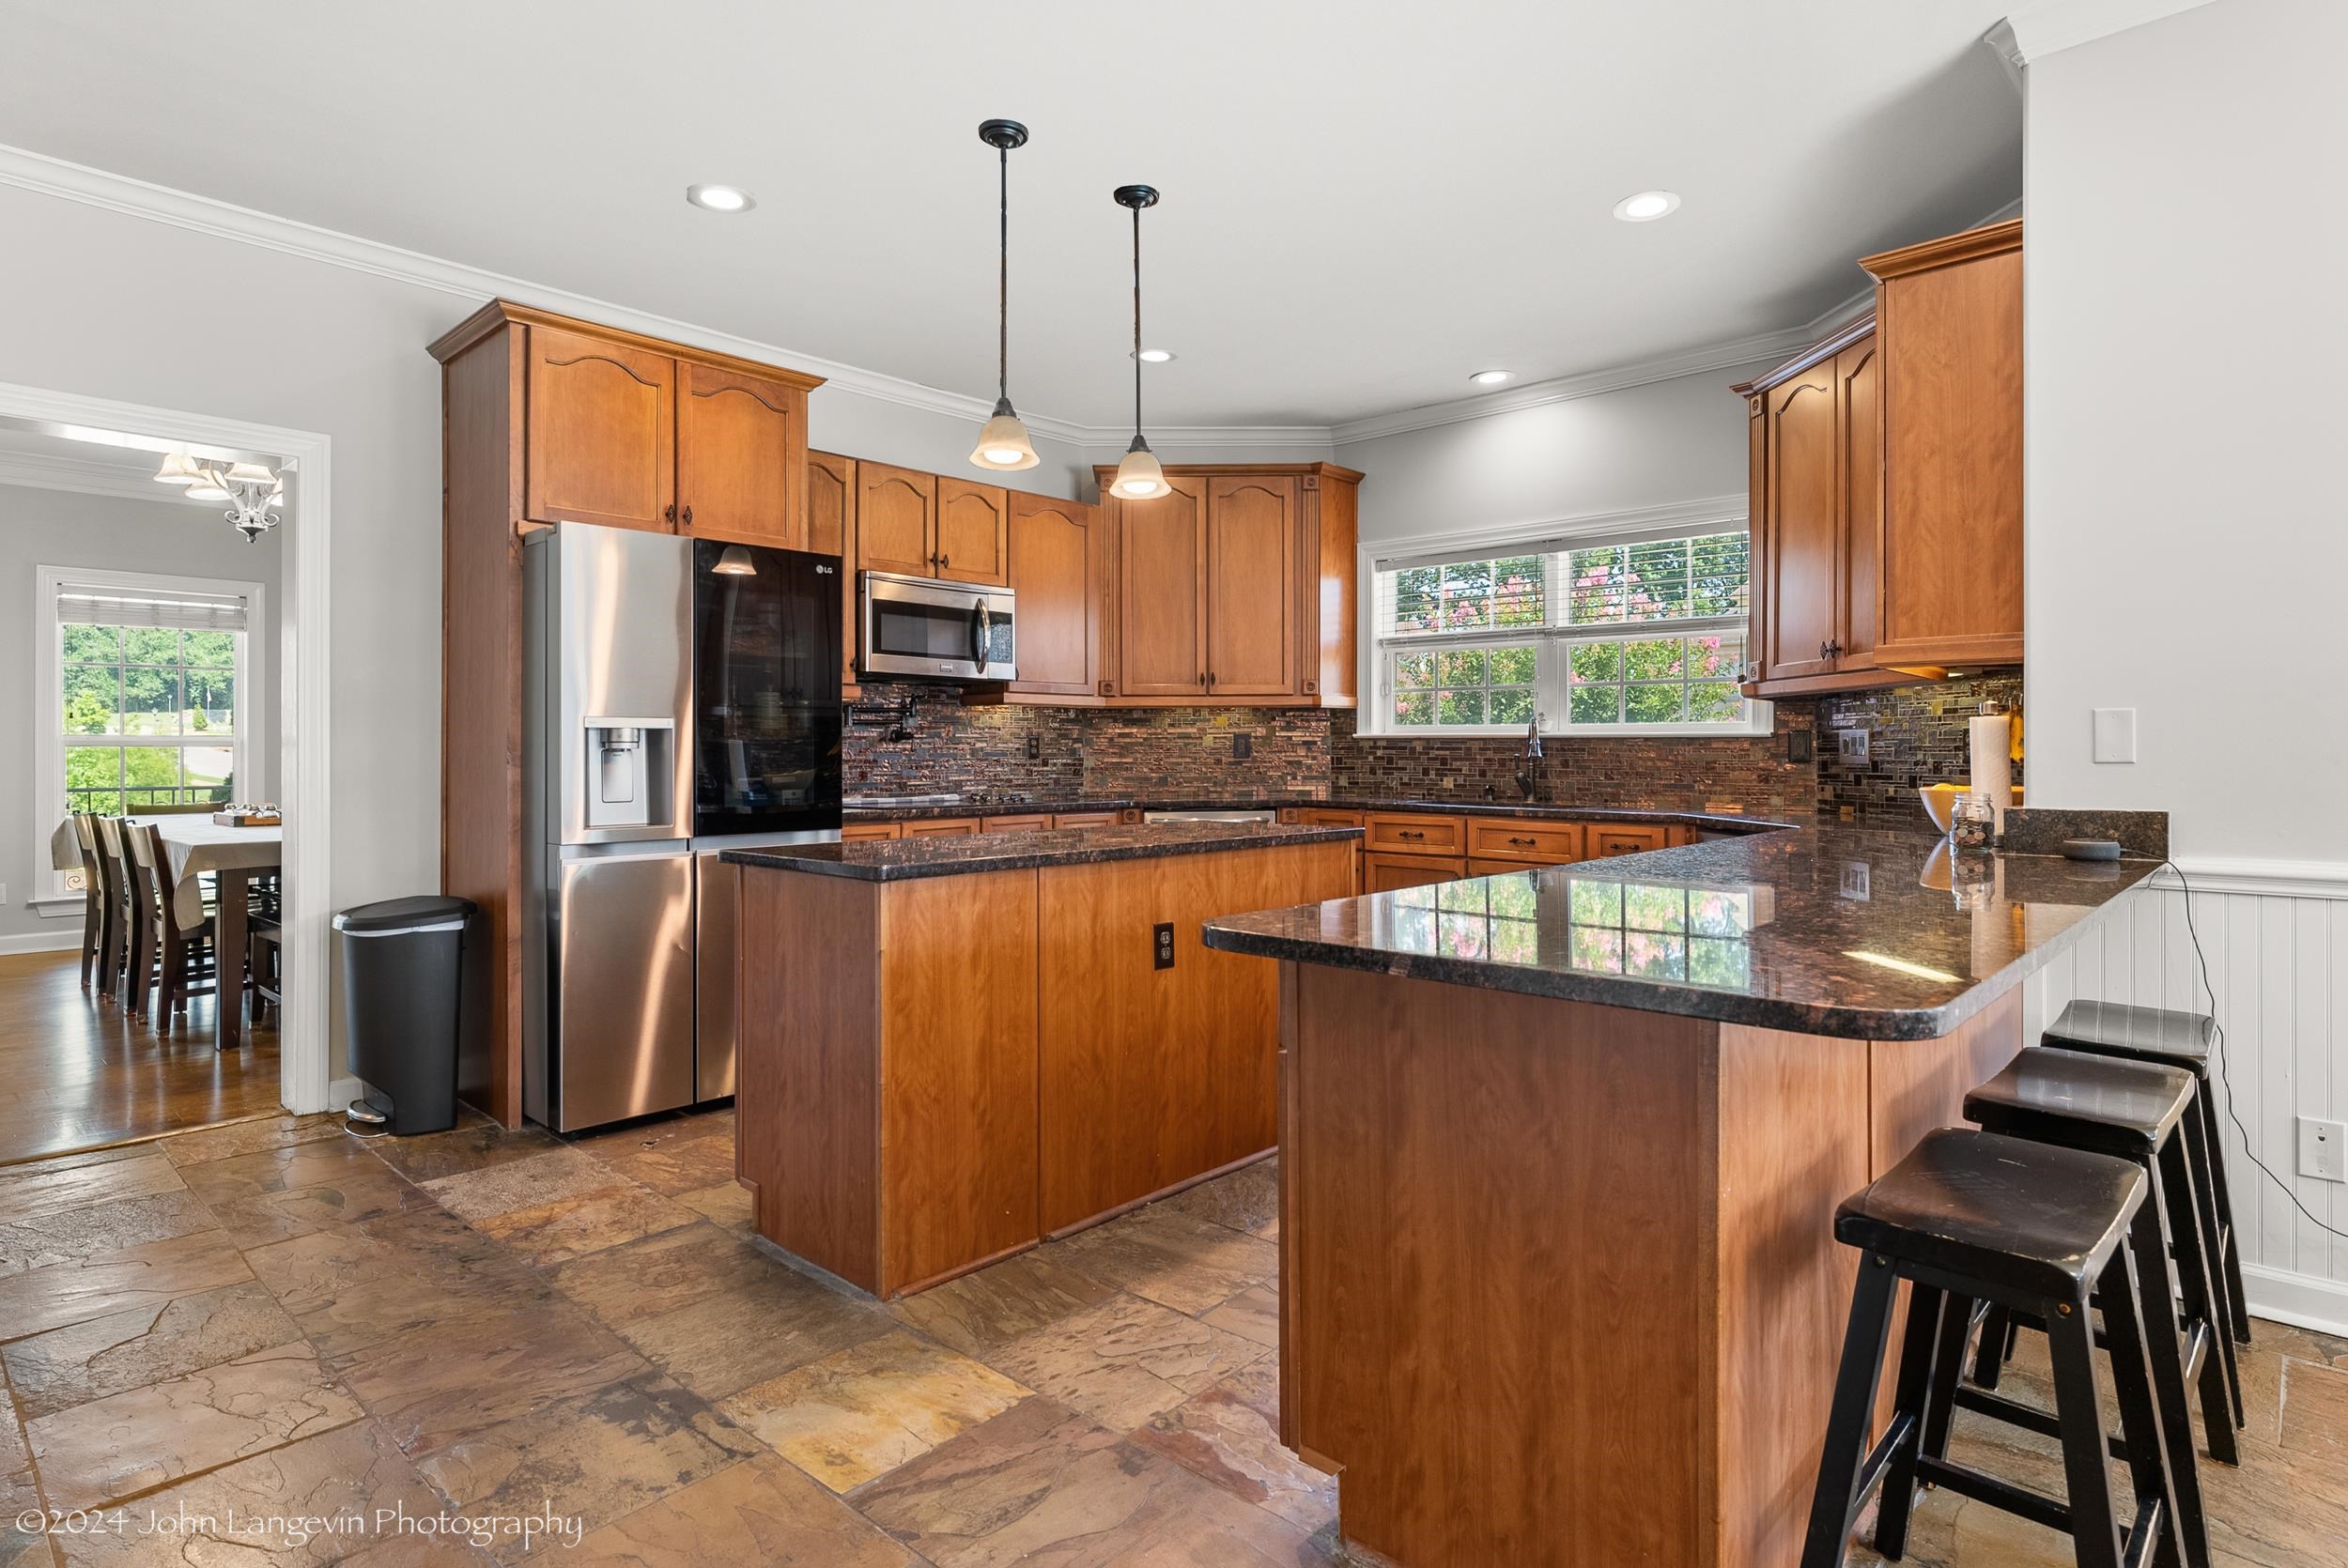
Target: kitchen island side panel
807,1114
1497,1222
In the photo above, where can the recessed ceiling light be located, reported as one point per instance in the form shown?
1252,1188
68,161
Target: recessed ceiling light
1492,377
1154,356
719,198
1647,205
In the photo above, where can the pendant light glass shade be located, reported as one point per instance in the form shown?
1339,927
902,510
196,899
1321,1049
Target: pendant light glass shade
1003,444
209,486
1138,475
178,469
735,562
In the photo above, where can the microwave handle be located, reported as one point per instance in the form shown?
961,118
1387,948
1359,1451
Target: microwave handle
979,632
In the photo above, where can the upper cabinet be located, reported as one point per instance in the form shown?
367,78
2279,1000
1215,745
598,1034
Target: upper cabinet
1058,571
630,432
741,457
602,444
973,533
1237,586
831,530
1949,315
896,520
1885,480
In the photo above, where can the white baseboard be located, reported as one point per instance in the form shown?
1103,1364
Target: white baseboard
42,942
2302,1301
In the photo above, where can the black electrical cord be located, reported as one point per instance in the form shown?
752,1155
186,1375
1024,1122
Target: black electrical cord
2217,1049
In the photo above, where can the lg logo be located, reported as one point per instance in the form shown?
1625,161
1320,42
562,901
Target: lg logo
823,571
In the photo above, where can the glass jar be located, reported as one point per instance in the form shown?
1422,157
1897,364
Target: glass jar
1972,823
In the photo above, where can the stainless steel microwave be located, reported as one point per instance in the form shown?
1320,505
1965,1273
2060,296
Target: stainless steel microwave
926,626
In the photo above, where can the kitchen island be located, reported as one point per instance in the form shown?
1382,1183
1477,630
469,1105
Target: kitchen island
952,1047
1561,1150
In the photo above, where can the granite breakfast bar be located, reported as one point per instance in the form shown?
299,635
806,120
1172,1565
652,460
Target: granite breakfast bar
952,1047
1560,1152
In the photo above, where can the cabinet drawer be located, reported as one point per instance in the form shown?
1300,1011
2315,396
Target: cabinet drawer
1025,822
1384,873
851,832
1085,819
1605,838
1514,838
941,827
1319,816
1395,833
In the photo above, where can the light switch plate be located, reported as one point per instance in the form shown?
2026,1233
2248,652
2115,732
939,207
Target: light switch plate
2115,734
1850,746
2322,1149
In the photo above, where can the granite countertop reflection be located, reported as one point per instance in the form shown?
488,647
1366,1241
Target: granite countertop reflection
906,859
1865,934
881,808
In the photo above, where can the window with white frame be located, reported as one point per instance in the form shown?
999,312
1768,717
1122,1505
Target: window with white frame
1602,634
142,691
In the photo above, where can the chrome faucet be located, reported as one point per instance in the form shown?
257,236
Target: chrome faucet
1528,774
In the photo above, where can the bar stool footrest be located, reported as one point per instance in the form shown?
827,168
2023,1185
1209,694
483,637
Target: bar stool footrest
1980,1486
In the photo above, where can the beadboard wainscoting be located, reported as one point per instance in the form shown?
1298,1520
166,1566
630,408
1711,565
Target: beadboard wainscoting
2276,937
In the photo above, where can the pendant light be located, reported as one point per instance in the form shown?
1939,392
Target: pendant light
1138,477
1003,444
735,562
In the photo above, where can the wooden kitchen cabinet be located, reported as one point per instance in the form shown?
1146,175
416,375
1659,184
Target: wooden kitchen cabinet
855,832
1058,573
938,827
1086,819
741,457
1414,833
896,519
1521,839
1319,816
1388,873
1886,485
1162,590
1949,316
1238,586
972,543
1025,822
831,530
1604,840
1251,586
601,432
548,419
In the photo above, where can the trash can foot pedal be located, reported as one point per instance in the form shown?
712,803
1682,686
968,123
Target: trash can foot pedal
365,1121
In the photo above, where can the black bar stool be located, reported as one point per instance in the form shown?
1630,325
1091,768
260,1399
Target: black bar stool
2183,1041
2132,1111
2031,1227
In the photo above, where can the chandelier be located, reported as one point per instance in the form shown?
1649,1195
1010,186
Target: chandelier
253,491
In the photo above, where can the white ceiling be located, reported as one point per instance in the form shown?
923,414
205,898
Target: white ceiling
1364,201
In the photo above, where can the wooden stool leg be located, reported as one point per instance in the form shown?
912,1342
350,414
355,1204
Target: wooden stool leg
2220,1379
1852,1413
2161,1346
1928,1309
2071,1344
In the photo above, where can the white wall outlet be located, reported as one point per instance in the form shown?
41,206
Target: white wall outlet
2324,1148
2115,734
1850,746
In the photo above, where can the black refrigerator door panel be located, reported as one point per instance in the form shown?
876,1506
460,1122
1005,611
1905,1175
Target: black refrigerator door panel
765,689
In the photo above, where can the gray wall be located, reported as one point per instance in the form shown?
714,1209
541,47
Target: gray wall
56,527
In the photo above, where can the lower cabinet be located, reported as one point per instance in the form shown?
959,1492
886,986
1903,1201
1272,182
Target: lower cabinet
1387,873
939,827
851,832
1611,839
1086,819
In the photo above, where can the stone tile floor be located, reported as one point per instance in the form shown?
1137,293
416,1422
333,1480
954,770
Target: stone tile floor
203,1336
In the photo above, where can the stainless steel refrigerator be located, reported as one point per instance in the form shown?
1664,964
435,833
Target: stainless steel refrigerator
679,695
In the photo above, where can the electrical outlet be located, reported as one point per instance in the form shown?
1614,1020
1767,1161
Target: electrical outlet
2324,1148
1162,950
1035,747
1242,747
1850,746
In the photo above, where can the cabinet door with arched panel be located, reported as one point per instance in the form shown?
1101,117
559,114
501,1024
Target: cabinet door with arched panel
602,433
1251,586
896,519
741,446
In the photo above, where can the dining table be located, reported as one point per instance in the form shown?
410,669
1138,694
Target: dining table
195,846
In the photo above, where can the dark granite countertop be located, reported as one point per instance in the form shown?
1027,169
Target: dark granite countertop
1866,933
878,812
904,859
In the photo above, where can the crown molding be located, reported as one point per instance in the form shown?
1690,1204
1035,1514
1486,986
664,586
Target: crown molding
2032,34
41,470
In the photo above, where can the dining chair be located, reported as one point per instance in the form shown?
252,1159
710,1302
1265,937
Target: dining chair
176,957
114,858
94,897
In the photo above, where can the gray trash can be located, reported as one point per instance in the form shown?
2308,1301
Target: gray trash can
413,973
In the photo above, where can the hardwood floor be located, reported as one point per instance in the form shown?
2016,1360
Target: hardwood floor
277,1319
82,1073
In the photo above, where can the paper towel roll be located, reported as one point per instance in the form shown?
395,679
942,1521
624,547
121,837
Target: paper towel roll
1992,740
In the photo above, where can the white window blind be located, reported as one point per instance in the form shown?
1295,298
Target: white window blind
182,609
1626,631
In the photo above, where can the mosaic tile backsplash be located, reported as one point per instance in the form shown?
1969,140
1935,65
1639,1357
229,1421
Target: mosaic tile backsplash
939,745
